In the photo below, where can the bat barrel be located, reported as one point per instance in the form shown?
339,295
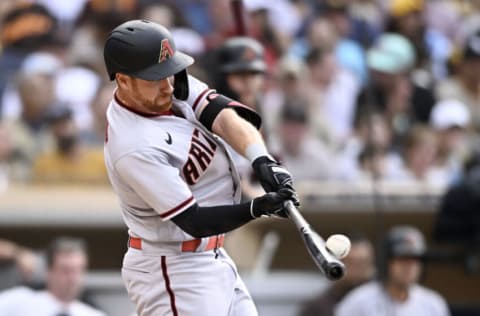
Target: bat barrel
334,271
331,267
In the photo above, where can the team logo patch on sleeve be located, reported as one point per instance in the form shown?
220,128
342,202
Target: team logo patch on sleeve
166,50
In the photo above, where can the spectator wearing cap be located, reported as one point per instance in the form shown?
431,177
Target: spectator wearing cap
396,292
391,90
26,121
41,64
406,18
451,120
464,85
71,161
304,156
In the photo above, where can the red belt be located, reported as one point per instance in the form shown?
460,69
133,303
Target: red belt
187,246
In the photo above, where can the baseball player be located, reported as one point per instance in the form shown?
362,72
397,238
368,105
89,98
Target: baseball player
178,189
397,292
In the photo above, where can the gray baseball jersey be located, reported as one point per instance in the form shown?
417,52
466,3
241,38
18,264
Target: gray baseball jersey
161,165
371,299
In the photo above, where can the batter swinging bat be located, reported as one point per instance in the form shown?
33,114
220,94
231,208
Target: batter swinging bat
330,266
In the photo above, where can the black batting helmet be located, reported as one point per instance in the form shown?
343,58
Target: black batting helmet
400,241
146,50
239,54
404,241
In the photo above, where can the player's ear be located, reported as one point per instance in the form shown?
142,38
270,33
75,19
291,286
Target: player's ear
122,80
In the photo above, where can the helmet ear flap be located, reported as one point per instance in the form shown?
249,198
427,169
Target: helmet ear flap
180,85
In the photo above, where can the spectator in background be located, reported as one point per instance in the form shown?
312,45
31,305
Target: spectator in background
272,23
391,91
331,94
464,84
95,136
305,156
420,154
352,35
35,84
289,87
6,155
43,64
372,163
71,162
451,120
66,264
407,19
397,291
18,265
26,28
321,34
360,265
371,139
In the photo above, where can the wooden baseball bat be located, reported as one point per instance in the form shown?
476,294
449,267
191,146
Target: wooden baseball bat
330,266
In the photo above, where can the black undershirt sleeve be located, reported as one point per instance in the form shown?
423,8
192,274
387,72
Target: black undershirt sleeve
212,220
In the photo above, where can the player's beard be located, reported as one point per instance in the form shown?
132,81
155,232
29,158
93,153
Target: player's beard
159,104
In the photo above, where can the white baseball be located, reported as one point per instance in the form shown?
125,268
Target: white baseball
338,245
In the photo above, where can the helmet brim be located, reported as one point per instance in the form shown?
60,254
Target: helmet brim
178,62
250,66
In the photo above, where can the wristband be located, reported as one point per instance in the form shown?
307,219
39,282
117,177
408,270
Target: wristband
256,150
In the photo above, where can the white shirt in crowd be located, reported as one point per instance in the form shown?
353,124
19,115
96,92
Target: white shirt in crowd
371,299
23,301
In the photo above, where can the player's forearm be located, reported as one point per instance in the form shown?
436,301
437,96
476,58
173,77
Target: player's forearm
208,221
239,133
213,220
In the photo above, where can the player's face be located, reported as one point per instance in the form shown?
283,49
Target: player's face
246,84
404,272
147,96
66,275
155,96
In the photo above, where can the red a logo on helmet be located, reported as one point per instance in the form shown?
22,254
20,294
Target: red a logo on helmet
166,50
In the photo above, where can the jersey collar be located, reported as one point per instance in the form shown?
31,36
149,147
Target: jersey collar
141,113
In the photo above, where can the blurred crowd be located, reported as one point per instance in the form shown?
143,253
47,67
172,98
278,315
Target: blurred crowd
348,90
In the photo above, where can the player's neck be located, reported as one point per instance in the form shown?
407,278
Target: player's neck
397,292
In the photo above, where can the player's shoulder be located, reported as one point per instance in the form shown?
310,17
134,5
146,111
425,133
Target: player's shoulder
84,309
354,303
369,288
18,292
197,90
362,292
429,295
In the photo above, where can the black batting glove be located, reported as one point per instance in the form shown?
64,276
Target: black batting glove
273,176
271,204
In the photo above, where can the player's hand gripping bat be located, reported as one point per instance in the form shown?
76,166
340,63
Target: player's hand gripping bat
330,266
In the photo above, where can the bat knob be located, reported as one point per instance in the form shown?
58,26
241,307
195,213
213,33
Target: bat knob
335,271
